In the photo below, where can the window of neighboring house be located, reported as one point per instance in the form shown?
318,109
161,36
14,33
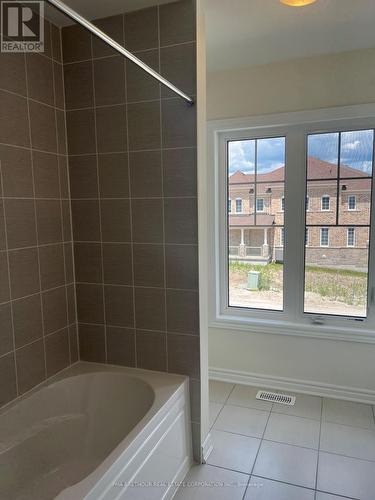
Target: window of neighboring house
325,205
260,205
229,206
324,237
238,205
351,237
352,202
290,281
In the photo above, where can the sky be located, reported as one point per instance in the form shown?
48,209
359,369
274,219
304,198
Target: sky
356,151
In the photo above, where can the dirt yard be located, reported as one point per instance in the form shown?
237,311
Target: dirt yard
327,292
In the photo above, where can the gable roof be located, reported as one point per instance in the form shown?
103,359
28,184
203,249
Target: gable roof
316,169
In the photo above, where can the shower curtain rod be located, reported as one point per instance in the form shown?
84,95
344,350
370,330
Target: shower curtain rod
108,40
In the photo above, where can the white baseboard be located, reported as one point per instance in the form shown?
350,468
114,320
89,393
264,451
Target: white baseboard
207,447
293,385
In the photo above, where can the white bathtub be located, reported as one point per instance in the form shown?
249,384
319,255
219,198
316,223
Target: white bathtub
97,432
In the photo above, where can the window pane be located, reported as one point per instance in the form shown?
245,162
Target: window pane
355,202
336,276
321,202
356,153
322,158
256,172
338,223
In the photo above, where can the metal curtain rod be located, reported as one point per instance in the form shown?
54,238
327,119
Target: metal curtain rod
100,34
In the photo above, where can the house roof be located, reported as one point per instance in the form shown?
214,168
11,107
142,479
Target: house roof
316,169
248,220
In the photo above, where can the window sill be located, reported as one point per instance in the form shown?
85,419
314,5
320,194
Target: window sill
282,327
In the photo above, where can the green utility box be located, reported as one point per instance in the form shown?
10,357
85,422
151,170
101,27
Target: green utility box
253,278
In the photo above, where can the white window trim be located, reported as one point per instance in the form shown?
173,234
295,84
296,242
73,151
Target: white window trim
355,203
282,236
241,212
229,205
347,237
256,206
321,232
282,204
329,203
307,204
255,321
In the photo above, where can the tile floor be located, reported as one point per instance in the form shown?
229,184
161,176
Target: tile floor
319,449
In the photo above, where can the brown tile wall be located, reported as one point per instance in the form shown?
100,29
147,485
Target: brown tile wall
38,334
132,160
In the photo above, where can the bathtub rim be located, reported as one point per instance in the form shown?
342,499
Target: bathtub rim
168,389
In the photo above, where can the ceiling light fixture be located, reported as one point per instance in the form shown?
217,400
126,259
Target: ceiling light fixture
297,3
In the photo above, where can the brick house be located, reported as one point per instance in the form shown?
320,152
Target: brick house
256,215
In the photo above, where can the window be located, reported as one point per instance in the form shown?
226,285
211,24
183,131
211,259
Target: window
336,280
260,205
351,237
352,202
239,205
325,203
229,206
321,269
260,172
324,237
282,236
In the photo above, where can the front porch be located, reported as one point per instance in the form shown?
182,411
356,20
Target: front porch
251,245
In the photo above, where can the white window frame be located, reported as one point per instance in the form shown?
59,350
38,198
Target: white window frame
355,203
241,211
295,127
256,206
283,204
282,236
307,203
347,237
329,203
321,234
229,206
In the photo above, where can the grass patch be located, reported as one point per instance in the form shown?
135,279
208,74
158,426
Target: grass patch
342,272
342,285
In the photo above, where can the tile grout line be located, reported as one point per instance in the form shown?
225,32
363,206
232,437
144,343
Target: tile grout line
319,444
162,197
99,200
223,404
130,198
13,351
71,242
189,42
30,147
27,344
61,207
35,215
257,454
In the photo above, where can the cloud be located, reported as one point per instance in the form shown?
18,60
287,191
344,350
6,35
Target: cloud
270,155
241,156
351,146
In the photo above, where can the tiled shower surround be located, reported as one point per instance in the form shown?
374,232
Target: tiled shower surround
132,164
126,180
38,334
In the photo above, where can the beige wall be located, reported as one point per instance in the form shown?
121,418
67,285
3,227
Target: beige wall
319,82
311,83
